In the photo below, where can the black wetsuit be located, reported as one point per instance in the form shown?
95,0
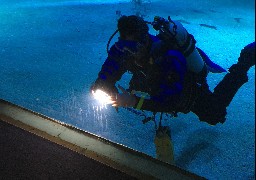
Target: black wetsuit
171,86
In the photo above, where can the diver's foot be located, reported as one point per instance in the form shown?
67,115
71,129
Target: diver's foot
247,55
246,59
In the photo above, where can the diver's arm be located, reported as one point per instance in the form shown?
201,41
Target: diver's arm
166,101
111,72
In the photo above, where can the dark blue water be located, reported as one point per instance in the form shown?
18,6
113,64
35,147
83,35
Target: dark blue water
52,51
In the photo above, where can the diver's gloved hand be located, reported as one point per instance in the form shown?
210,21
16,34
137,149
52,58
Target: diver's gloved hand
124,99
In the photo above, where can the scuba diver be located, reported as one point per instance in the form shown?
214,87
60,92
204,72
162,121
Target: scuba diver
170,69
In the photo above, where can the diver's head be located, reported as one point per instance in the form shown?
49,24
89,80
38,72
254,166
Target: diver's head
132,28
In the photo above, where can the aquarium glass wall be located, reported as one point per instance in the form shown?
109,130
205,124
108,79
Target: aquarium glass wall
52,50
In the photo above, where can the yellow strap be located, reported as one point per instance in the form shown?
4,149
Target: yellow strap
140,103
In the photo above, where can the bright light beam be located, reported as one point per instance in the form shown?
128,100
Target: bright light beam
102,97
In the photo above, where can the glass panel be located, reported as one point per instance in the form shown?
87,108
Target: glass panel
51,53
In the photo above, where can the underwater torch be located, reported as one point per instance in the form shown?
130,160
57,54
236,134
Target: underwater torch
102,97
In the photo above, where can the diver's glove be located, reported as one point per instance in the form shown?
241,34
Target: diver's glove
124,99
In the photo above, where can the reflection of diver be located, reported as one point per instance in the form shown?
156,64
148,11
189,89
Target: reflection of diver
171,69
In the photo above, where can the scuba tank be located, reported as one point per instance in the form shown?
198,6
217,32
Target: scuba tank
174,34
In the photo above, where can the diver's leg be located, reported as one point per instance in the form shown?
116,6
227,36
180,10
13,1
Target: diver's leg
207,107
228,87
211,107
